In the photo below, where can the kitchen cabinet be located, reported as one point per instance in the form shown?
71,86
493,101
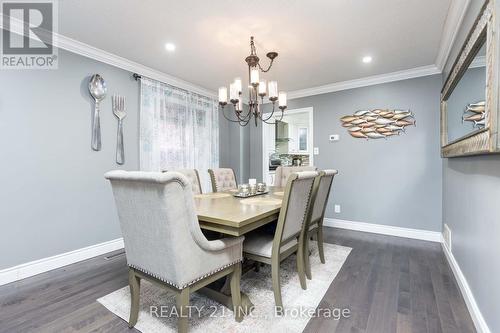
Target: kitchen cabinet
271,138
292,134
303,139
270,178
298,134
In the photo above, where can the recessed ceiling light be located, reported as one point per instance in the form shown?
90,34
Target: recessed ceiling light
367,59
170,47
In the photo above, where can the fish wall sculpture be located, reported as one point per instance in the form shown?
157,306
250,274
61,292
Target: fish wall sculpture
476,114
378,123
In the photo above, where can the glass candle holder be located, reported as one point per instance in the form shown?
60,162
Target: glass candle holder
243,189
253,189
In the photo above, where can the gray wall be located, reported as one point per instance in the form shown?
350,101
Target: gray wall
394,182
234,147
53,193
471,192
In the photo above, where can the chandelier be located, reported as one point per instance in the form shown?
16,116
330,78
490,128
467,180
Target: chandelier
257,90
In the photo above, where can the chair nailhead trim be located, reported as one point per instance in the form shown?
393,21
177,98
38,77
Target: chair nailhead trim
156,276
305,213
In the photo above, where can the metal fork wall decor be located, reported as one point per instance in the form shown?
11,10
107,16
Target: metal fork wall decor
378,123
118,105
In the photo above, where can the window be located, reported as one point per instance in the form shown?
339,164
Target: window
178,130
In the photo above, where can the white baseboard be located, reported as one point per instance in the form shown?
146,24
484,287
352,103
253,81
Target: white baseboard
470,301
32,268
432,236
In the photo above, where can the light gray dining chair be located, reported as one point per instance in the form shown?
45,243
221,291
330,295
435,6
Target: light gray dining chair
164,243
283,172
290,232
223,179
321,192
194,178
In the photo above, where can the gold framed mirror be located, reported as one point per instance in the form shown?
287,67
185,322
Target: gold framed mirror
469,98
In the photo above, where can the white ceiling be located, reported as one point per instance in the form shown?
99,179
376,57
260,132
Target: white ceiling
318,41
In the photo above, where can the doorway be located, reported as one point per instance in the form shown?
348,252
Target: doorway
288,142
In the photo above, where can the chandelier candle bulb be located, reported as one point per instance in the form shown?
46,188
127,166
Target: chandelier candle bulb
223,95
254,76
262,88
237,83
240,105
233,93
282,98
273,89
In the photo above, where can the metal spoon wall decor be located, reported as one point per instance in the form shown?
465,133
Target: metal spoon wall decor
97,89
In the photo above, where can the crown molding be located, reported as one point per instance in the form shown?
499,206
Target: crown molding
100,55
454,19
89,51
86,50
366,81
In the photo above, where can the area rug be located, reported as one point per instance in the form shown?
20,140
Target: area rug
157,304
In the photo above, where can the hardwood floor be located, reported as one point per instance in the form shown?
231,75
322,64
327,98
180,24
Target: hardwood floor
389,284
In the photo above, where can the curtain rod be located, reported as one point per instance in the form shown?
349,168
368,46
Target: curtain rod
137,77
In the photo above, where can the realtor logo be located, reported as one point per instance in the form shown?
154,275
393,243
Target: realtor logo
28,34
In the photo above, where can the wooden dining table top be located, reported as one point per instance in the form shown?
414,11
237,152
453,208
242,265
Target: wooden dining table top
224,213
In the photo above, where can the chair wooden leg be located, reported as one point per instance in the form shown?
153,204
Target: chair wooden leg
320,245
182,310
236,293
306,254
300,264
256,266
134,283
275,272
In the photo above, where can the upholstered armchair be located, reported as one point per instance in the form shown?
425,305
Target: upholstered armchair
321,193
282,173
223,179
163,240
290,232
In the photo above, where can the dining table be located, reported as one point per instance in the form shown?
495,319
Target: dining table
233,216
228,215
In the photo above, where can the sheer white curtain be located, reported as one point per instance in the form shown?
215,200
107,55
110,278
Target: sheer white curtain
178,129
